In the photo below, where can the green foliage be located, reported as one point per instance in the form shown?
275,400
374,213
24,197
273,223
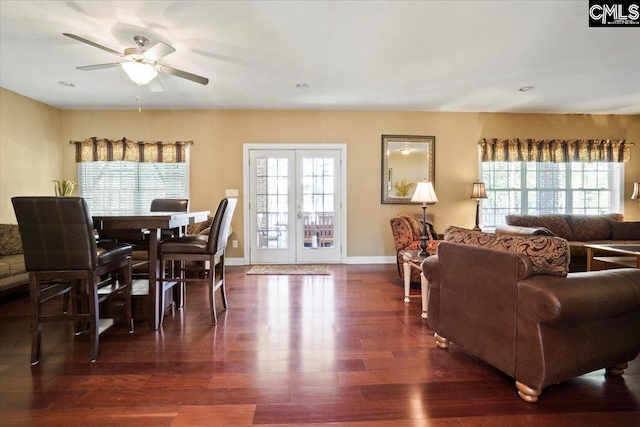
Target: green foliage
64,188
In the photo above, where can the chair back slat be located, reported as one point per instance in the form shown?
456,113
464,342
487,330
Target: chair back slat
56,232
220,226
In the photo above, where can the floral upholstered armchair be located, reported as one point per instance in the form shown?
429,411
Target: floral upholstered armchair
407,229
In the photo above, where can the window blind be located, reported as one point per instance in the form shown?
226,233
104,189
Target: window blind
130,186
536,188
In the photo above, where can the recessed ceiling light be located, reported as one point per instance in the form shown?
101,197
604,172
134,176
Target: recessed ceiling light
67,84
302,85
526,88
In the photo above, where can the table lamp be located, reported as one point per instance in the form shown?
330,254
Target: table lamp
424,194
478,192
636,191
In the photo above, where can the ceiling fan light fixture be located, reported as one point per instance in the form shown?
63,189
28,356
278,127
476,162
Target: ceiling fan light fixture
139,73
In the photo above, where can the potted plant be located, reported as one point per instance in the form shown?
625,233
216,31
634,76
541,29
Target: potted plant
64,188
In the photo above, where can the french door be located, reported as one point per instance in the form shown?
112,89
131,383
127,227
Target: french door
295,213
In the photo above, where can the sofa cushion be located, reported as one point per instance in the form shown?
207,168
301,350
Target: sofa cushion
11,265
4,269
557,224
591,227
10,241
549,255
625,230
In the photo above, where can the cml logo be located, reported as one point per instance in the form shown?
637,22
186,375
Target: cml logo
614,14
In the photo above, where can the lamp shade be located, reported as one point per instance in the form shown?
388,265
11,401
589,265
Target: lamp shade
636,191
424,193
478,191
139,73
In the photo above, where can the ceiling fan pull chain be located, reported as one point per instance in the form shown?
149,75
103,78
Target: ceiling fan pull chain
138,99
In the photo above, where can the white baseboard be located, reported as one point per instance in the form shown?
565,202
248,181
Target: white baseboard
350,260
371,260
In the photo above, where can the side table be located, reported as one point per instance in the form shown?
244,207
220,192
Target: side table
412,259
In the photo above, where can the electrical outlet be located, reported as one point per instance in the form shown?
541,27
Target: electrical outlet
234,243
232,193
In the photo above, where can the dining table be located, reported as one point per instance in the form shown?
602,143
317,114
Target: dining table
154,222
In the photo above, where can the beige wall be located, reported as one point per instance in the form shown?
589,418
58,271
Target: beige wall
216,156
30,150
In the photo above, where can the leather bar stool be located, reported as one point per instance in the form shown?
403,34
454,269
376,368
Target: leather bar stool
60,247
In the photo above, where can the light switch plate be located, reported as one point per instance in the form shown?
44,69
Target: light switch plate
231,193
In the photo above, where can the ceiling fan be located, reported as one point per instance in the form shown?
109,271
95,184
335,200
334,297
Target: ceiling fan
140,63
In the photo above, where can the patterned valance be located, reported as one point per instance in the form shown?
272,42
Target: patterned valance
554,150
107,150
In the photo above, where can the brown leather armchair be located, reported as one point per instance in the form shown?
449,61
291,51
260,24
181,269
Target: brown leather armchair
539,329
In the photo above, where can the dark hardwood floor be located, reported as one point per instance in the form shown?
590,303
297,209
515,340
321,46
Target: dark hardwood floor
338,350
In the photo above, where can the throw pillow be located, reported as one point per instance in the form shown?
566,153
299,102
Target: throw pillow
197,227
10,241
541,231
549,255
625,230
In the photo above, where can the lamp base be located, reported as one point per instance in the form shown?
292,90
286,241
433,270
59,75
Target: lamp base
423,247
423,237
477,227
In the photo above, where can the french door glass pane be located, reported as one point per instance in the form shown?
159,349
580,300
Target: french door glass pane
272,203
318,202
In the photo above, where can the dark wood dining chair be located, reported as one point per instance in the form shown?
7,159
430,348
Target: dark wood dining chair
140,238
201,255
60,248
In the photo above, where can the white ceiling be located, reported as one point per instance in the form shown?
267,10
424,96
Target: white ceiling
355,55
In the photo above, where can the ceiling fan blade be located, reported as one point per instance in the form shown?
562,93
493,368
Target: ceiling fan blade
158,50
183,74
89,42
99,66
155,85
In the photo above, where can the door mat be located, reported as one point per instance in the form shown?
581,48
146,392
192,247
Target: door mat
301,269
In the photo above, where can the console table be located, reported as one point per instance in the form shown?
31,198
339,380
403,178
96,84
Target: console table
412,259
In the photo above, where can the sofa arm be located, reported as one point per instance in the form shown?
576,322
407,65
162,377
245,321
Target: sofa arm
431,270
579,296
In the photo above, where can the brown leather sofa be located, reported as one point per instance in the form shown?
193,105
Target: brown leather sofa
13,273
540,329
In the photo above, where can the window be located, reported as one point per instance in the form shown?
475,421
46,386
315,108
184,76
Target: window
130,186
536,188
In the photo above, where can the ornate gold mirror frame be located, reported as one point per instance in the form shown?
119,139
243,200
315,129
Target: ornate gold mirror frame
406,159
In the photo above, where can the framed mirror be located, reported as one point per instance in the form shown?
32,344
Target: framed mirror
406,159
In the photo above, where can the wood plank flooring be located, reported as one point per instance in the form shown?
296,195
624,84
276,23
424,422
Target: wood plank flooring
337,350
